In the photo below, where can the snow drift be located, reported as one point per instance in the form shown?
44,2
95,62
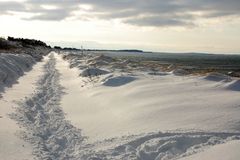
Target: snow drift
180,72
217,77
234,86
118,81
122,115
125,114
12,66
100,60
90,72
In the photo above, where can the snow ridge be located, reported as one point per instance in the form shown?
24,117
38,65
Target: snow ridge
12,66
51,135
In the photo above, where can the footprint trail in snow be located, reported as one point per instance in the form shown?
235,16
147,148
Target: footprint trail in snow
51,136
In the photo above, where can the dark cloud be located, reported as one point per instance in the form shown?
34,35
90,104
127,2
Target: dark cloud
134,12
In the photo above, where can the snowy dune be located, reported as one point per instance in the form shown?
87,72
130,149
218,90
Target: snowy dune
12,66
119,104
227,151
98,107
142,102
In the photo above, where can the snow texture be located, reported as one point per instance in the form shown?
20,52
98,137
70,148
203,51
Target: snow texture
217,77
234,86
164,98
118,81
54,137
167,146
46,128
12,66
91,72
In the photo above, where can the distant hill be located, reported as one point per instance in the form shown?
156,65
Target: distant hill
130,50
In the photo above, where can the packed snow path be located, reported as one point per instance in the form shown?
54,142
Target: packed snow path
46,128
54,138
12,147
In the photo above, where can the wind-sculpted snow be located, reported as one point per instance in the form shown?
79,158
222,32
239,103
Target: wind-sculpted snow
53,137
118,81
218,77
166,146
234,86
91,72
156,146
102,69
12,66
98,61
46,128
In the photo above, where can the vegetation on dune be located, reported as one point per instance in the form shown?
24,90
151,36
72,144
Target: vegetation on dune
5,44
35,48
28,42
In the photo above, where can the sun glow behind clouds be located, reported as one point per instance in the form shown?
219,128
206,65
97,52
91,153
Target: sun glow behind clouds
85,7
49,7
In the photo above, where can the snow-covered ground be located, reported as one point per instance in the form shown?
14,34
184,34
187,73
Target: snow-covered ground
229,151
197,111
13,147
96,107
12,66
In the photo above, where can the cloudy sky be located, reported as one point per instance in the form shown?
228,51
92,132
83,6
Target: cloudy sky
154,25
